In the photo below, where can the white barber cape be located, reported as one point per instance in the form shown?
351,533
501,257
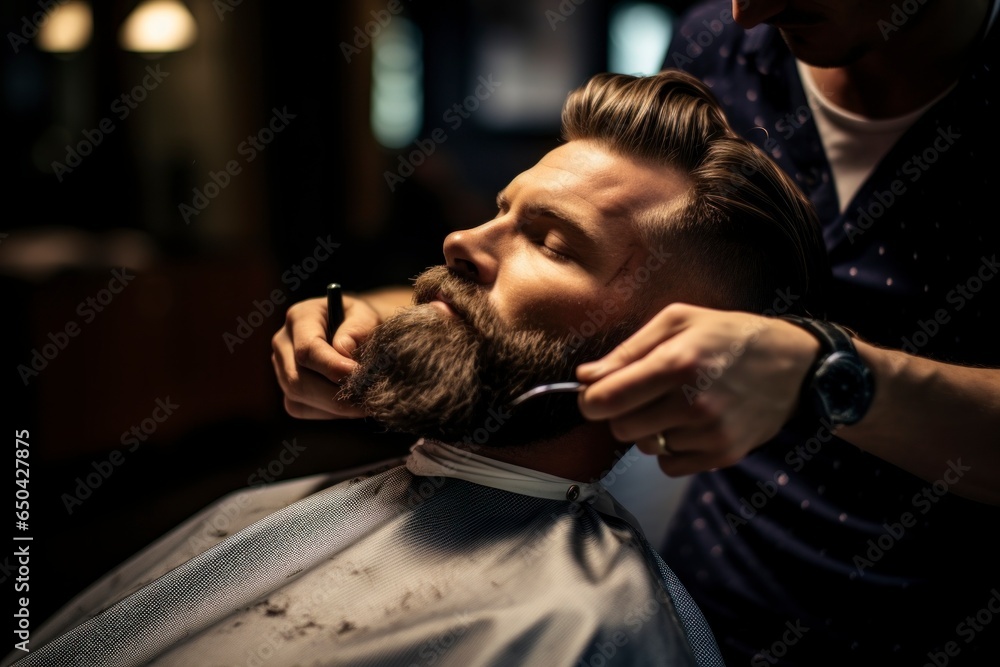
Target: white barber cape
444,558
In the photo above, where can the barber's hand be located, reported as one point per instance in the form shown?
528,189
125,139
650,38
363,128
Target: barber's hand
308,368
716,384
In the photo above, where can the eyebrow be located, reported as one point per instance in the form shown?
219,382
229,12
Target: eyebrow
566,221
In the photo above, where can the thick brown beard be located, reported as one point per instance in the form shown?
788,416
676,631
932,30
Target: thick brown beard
452,378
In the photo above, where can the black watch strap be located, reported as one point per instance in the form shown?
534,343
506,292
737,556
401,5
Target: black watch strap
831,337
838,389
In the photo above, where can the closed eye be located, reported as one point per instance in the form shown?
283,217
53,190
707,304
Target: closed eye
537,225
552,246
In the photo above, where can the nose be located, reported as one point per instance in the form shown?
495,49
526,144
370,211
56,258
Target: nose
474,252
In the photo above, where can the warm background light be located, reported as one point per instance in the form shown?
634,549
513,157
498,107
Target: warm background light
67,29
158,26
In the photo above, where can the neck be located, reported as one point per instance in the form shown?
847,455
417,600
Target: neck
918,62
584,454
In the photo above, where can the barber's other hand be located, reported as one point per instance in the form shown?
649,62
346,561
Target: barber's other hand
308,368
716,384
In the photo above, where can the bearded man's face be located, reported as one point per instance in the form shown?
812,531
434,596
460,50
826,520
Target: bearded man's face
451,377
560,276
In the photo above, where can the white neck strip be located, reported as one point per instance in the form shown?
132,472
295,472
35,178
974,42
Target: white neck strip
429,458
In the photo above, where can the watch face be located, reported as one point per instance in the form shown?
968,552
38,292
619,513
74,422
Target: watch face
843,385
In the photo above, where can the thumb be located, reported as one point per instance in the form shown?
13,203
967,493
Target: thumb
345,341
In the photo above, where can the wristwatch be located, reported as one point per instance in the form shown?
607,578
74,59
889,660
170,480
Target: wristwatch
839,386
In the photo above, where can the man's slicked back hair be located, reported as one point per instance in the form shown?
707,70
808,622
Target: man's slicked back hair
744,230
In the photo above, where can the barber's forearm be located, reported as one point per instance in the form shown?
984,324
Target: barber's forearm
927,416
386,300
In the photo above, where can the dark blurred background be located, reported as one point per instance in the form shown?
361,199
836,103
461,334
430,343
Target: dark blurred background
179,173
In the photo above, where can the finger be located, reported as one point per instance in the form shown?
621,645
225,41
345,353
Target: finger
675,464
303,411
302,341
627,389
314,353
296,378
319,397
643,424
665,324
360,320
655,445
681,465
346,340
282,358
307,388
666,413
691,450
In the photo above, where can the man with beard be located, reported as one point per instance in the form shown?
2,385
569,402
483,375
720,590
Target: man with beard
494,542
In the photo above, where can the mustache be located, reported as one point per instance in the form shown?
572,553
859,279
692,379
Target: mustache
467,298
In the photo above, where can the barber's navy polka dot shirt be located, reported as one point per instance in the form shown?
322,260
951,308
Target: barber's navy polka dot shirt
812,551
